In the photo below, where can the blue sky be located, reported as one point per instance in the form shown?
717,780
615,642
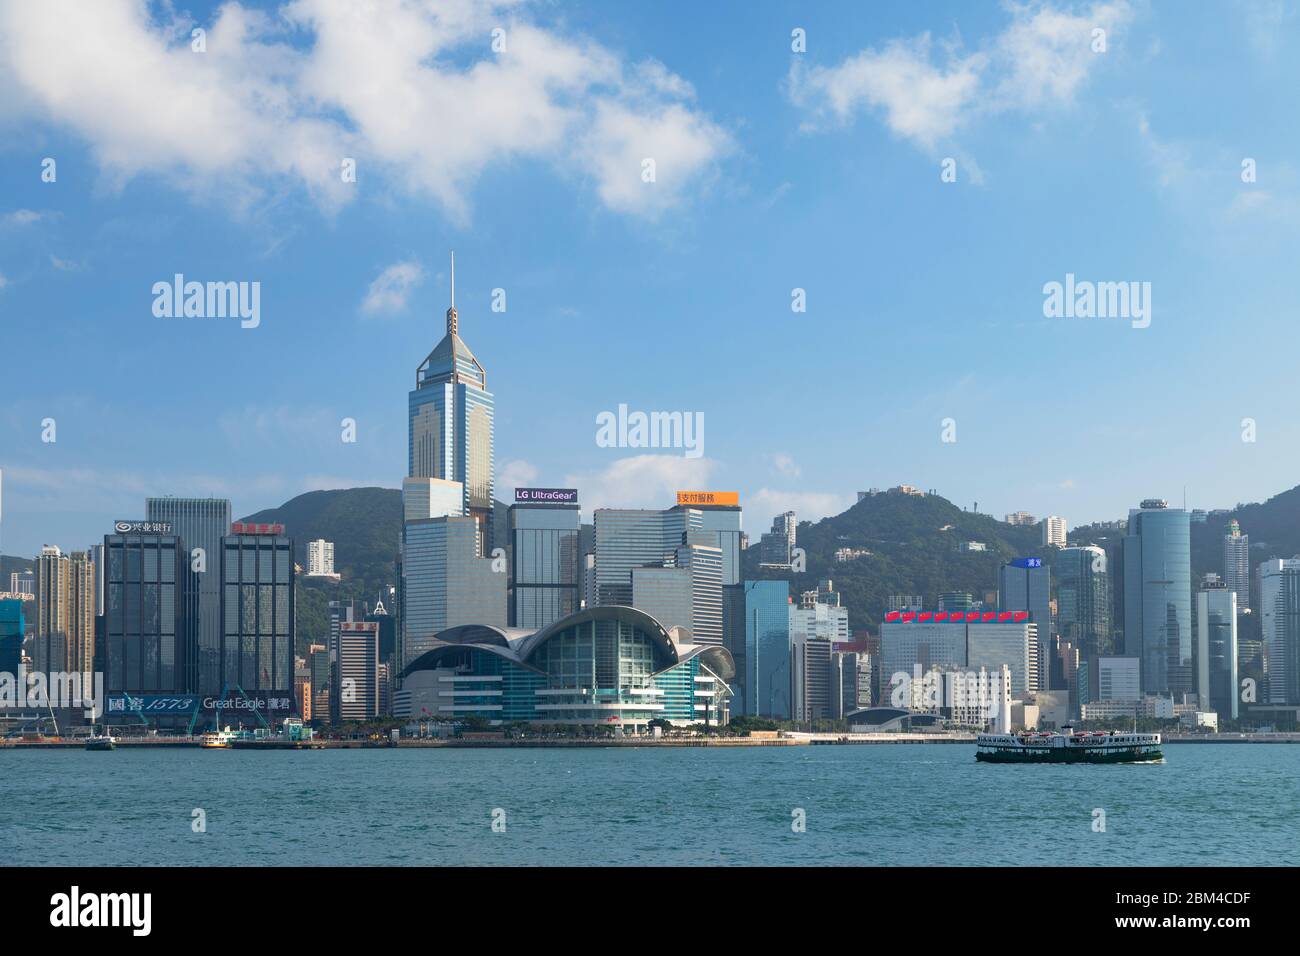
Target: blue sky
776,170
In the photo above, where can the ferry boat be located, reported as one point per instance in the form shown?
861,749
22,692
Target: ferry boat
217,740
1068,747
100,742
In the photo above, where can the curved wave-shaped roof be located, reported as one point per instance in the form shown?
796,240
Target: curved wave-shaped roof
602,612
519,645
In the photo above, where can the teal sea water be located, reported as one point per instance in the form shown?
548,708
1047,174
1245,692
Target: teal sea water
863,805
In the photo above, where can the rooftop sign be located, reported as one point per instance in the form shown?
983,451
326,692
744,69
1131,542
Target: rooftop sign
241,527
729,498
957,617
142,527
566,496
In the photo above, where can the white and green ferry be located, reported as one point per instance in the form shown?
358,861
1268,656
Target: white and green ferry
1068,747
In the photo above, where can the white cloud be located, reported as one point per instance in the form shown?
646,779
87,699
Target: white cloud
766,503
640,481
22,217
921,101
515,474
786,465
411,90
391,289
1041,59
1265,22
3,282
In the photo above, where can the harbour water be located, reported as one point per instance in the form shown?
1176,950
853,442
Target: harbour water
861,805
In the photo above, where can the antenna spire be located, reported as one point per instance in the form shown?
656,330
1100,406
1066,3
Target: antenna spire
452,321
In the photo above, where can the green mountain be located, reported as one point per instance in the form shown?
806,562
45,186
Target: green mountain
1273,526
365,525
914,544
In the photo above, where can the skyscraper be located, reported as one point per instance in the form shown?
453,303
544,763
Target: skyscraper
1026,585
627,538
201,523
257,609
450,425
64,637
1158,596
446,583
1279,599
1236,564
151,614
703,563
543,557
355,692
82,608
777,546
1083,598
1216,647
50,635
766,677
1083,609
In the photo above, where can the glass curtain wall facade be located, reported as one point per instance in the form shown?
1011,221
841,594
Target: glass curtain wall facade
766,676
1279,598
1158,597
450,424
632,538
1216,650
544,563
1026,585
1083,609
150,615
445,582
595,672
201,523
257,609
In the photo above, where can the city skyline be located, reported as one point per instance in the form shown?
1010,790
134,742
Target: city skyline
811,183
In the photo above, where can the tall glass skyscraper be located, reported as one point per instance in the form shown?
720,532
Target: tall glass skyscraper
1158,596
1083,609
257,610
150,614
446,583
543,563
201,523
1279,600
629,538
1026,585
1216,647
450,421
766,678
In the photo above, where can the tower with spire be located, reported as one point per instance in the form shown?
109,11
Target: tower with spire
451,420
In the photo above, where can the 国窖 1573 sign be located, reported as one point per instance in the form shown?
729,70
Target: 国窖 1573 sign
708,498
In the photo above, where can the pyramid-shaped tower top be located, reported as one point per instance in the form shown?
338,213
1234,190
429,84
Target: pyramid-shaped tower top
451,360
